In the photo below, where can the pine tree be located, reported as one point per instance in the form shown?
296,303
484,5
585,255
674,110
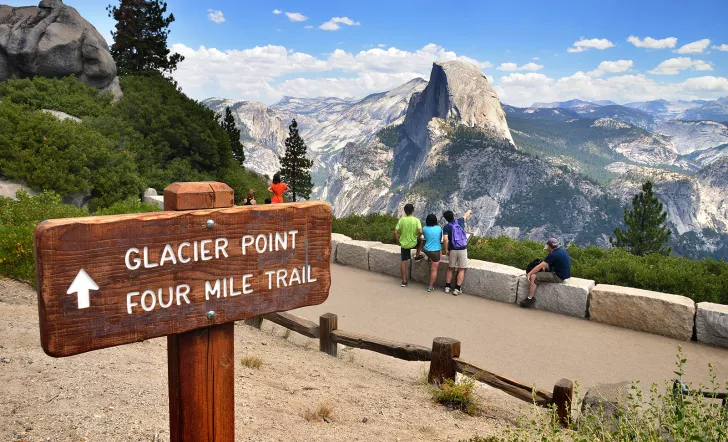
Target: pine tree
233,133
140,40
646,231
295,166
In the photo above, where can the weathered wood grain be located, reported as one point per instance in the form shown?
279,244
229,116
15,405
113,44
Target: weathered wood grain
99,244
514,388
563,396
442,362
328,322
400,350
295,323
201,370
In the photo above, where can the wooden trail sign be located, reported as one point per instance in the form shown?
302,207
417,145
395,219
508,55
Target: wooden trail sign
112,280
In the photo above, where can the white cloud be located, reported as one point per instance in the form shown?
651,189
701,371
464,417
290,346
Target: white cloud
515,67
611,67
536,58
696,47
381,45
296,16
308,27
215,16
673,66
257,73
523,89
333,24
277,11
651,43
595,43
722,48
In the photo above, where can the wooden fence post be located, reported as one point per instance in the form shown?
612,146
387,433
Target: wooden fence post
563,396
442,365
201,363
327,323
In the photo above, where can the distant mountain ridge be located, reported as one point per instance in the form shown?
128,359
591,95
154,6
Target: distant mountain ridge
563,168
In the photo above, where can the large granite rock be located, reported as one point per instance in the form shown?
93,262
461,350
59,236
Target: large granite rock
337,238
421,271
151,197
492,281
652,312
387,259
10,188
604,402
711,324
53,40
568,298
354,253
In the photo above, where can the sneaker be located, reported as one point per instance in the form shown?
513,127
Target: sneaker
447,289
456,292
528,302
404,284
430,289
419,257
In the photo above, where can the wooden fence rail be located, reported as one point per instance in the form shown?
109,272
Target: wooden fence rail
444,359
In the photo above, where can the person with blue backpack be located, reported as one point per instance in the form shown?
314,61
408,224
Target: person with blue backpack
456,248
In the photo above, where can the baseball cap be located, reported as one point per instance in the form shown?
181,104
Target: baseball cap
552,242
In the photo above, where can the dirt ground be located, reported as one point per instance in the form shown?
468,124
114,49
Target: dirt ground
120,394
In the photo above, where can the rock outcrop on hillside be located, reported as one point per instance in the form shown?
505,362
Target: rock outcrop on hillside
53,40
457,91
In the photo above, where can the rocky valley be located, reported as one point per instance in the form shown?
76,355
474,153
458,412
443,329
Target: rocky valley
563,169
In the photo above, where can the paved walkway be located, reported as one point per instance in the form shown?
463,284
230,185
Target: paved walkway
532,346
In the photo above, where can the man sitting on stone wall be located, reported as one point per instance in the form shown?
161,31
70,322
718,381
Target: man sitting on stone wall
556,266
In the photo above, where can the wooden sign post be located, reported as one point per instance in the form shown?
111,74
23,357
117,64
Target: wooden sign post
187,273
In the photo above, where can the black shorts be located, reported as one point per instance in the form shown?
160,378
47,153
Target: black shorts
407,253
434,256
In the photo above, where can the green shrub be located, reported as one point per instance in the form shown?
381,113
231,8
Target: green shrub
457,395
129,205
373,227
65,94
663,416
18,220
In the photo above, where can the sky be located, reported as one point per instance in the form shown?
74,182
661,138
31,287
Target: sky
530,51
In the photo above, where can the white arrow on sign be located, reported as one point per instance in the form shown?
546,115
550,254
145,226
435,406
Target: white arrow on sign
82,284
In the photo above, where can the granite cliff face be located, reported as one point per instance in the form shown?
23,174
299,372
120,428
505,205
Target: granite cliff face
447,144
53,40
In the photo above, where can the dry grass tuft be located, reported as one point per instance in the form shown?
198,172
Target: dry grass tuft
322,412
251,361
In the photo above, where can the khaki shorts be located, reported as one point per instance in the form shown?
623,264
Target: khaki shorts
458,258
547,277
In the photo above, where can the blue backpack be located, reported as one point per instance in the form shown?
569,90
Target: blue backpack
458,237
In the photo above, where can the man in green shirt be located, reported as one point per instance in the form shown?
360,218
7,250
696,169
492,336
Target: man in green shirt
407,234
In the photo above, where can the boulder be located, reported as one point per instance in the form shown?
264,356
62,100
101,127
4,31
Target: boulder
603,401
652,312
337,238
151,197
421,271
10,188
62,116
354,253
711,324
492,281
386,259
568,298
53,40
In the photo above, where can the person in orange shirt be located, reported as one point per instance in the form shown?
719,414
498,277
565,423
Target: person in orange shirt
277,189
